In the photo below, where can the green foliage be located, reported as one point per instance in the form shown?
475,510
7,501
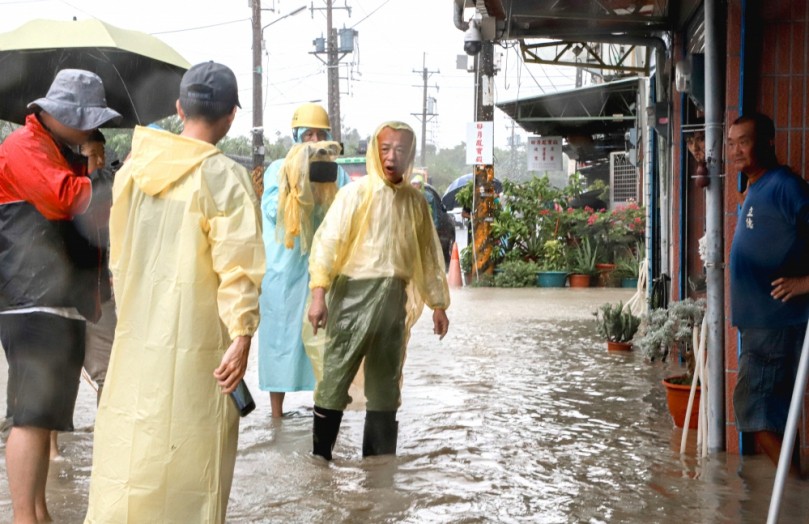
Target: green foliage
662,329
553,256
467,259
628,264
615,324
240,146
516,273
603,187
584,257
525,222
464,195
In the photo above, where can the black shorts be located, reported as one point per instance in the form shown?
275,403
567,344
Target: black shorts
45,354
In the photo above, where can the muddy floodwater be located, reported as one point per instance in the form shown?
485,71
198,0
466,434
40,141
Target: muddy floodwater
518,415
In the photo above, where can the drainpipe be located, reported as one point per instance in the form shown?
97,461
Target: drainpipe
457,16
715,267
682,262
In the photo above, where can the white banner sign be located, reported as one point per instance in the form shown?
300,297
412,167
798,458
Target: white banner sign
480,143
544,153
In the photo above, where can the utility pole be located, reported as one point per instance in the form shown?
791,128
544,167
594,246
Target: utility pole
332,65
483,214
425,114
333,56
258,73
258,110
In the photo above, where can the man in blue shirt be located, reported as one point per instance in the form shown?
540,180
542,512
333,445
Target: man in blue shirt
768,281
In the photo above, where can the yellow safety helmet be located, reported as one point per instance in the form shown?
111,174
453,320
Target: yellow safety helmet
312,116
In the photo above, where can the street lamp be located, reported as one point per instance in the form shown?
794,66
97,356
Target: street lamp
258,110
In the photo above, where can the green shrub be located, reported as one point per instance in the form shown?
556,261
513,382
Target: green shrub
516,273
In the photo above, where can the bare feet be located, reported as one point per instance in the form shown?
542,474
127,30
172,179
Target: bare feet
277,404
770,443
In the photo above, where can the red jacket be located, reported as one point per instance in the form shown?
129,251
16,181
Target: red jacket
34,170
44,259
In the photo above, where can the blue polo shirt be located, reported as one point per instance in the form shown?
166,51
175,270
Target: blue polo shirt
771,241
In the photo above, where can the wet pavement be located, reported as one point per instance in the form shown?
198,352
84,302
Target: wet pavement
518,415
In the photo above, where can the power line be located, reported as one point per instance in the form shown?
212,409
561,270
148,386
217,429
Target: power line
371,13
201,27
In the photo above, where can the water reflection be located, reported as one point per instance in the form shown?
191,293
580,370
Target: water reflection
519,415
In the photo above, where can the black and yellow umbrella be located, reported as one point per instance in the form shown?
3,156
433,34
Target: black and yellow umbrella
141,74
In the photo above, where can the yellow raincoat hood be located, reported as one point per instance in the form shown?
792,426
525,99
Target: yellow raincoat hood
164,158
379,229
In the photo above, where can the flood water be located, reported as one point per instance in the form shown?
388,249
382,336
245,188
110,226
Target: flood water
518,415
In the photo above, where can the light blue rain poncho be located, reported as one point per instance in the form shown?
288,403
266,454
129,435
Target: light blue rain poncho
290,216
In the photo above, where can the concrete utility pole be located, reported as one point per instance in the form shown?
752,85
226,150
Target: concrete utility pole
258,104
332,65
258,110
425,114
484,174
334,54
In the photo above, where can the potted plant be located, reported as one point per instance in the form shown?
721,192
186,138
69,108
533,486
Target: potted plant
628,265
617,326
583,263
663,330
516,273
552,272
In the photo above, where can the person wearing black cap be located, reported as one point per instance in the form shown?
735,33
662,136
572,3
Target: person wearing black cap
187,260
49,274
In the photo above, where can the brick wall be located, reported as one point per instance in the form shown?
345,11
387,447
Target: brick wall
776,78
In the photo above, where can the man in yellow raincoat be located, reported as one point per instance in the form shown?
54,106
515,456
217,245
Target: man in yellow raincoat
187,260
378,255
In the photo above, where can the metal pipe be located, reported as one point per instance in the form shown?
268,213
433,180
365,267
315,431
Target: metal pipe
785,459
682,263
653,207
740,176
714,263
457,16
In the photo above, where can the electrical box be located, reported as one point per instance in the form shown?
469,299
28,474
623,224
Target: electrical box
347,40
320,44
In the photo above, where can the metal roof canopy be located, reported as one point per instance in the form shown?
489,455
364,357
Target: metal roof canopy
579,20
591,110
586,114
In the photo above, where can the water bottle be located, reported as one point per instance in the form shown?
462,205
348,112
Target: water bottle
243,399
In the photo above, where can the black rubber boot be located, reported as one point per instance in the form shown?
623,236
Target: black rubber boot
325,429
380,435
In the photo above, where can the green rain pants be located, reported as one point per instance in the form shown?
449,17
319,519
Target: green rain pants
366,320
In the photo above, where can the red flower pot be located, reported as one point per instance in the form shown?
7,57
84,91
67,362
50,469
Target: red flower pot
619,346
677,399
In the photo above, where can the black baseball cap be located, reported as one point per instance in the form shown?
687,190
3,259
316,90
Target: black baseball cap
212,83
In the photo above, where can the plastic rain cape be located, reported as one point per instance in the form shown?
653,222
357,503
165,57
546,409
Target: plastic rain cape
283,361
297,194
377,229
187,259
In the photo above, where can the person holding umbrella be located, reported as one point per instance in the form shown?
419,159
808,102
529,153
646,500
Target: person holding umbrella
187,259
49,274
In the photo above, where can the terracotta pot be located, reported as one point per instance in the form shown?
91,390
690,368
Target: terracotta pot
579,280
605,274
677,399
619,346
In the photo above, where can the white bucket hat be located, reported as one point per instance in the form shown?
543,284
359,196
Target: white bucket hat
76,99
